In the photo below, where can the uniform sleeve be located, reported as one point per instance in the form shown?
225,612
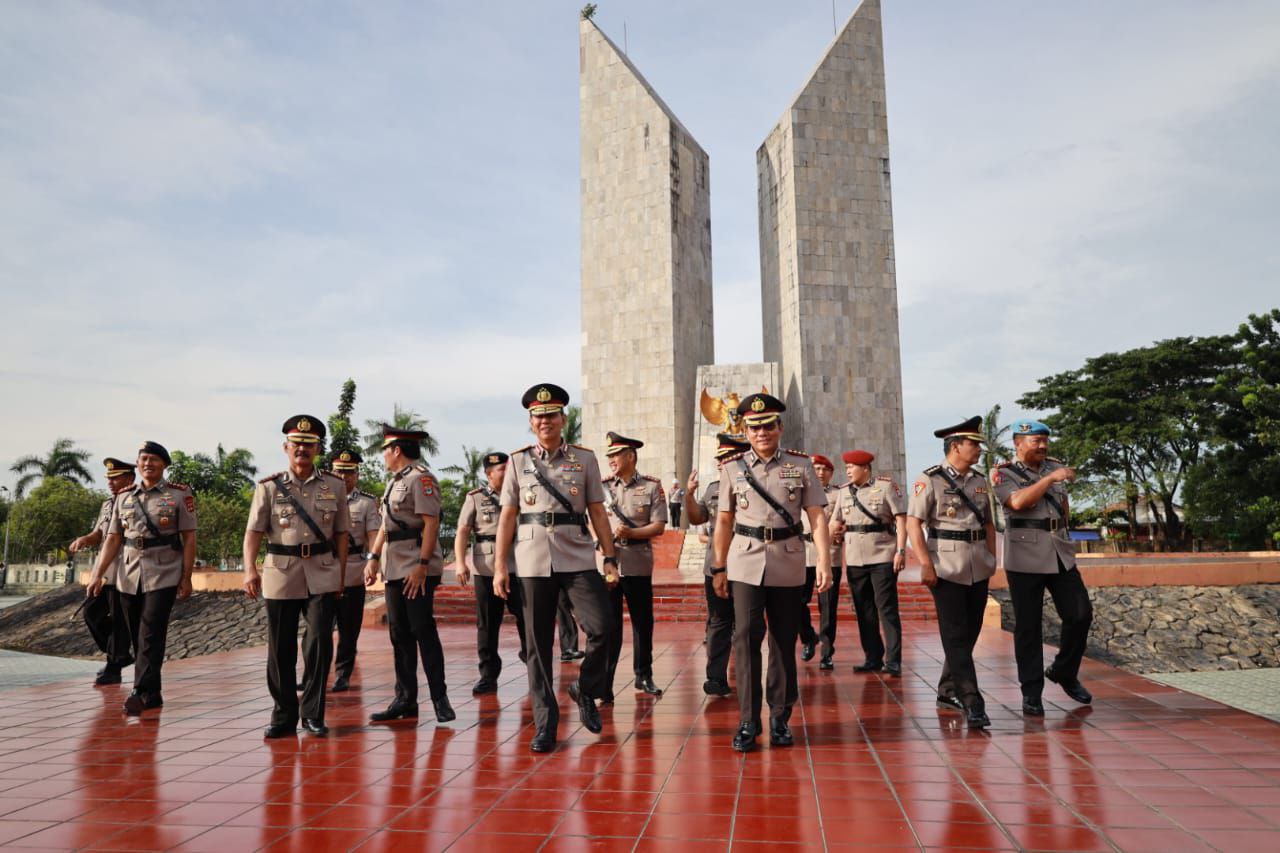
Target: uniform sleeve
704,501
658,506
260,510
342,518
726,495
510,488
594,491
373,520
921,504
115,524
426,496
814,494
837,514
1004,486
104,518
467,518
893,500
186,511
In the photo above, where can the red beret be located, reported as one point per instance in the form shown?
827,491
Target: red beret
858,457
819,459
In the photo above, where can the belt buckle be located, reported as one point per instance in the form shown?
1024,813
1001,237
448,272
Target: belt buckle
549,519
1054,524
304,550
768,533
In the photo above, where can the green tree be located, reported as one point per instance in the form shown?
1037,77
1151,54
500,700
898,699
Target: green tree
64,460
225,473
452,494
343,434
222,520
573,424
995,452
56,511
472,471
401,418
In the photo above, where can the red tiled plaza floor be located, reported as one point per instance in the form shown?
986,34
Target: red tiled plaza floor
875,766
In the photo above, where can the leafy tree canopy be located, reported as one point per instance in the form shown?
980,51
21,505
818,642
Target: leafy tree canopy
64,460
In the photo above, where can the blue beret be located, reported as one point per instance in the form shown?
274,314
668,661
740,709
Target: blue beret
1031,428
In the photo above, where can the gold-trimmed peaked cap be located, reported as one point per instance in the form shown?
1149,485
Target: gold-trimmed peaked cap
345,460
117,467
760,409
545,398
304,429
497,457
971,428
729,443
614,443
392,434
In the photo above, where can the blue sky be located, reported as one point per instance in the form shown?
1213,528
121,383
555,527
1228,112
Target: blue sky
213,214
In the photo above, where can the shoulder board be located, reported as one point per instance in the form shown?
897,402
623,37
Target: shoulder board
607,479
933,469
368,495
180,487
1051,459
331,474
271,477
798,453
650,479
884,477
474,491
418,466
522,449
734,458
1004,464
579,447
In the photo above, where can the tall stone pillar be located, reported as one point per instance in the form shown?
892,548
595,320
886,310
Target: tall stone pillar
646,262
829,289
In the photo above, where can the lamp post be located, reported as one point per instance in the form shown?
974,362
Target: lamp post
4,563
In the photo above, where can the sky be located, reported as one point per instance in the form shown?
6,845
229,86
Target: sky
213,214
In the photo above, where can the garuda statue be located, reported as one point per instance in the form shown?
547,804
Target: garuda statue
722,412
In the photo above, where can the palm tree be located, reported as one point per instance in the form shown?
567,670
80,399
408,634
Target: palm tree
236,468
402,419
995,452
64,461
573,424
473,470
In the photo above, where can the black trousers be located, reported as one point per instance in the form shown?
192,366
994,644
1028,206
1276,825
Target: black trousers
960,609
1071,600
283,615
566,624
489,611
808,636
673,510
412,625
719,632
753,606
105,617
875,603
590,597
349,615
638,594
828,612
147,617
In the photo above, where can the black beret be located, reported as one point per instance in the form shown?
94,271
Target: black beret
497,457
155,449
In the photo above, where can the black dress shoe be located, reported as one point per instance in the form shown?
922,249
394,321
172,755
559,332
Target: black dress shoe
340,684
107,675
806,653
394,712
484,685
1032,707
1072,688
826,663
976,717
893,668
279,730
744,740
444,711
716,687
543,741
139,702
576,654
868,666
780,733
949,703
587,710
645,683
316,727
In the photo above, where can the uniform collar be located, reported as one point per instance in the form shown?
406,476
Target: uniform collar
754,457
954,473
142,487
630,481
544,454
315,473
403,471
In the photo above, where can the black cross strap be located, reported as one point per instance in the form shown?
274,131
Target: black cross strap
306,516
768,498
617,510
891,526
1019,476
555,493
173,540
973,507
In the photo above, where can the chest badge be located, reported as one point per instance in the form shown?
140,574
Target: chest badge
530,498
573,490
743,502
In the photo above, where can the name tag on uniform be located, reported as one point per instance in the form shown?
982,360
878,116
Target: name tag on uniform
572,468
950,491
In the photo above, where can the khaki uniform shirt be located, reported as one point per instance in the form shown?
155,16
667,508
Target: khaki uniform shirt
882,497
1025,548
575,473
938,505
642,500
366,520
412,493
480,510
103,526
324,497
710,505
173,510
810,550
790,480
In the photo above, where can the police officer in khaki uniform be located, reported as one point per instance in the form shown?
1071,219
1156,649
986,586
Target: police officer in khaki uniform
637,513
829,601
408,547
958,561
719,610
870,517
302,512
1038,556
479,518
550,491
758,546
104,614
366,520
155,522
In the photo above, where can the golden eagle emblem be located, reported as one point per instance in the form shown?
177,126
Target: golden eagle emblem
722,412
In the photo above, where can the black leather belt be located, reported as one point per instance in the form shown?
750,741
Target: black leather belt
629,543
353,547
486,537
403,535
553,519
307,549
143,544
1036,523
808,537
867,528
767,534
958,535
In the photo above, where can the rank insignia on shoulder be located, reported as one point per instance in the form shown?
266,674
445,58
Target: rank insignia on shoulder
267,479
180,487
798,453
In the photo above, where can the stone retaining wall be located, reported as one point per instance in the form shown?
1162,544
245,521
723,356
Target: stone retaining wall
1175,628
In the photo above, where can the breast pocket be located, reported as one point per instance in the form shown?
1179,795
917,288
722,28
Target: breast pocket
524,533
942,544
484,547
1024,535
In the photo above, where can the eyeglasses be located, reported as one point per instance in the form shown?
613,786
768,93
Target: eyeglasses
769,427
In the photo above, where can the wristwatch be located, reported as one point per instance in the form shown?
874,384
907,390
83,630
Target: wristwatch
369,555
718,570
424,561
613,560
902,552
